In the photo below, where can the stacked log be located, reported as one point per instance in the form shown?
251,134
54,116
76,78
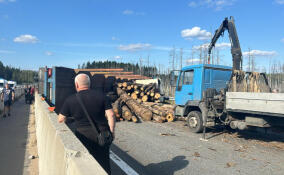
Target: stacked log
129,108
126,113
122,112
146,93
165,111
117,108
138,109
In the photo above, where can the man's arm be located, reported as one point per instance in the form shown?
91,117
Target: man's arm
61,118
111,120
64,112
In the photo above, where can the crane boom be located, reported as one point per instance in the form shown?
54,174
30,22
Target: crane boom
229,24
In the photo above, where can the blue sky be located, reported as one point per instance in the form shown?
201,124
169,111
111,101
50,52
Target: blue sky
67,33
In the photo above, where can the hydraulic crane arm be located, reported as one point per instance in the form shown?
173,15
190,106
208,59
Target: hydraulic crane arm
229,24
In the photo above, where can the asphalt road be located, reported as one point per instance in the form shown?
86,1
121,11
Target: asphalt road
169,148
13,136
153,148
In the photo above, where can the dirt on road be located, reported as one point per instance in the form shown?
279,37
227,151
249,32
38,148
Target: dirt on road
17,135
170,148
31,148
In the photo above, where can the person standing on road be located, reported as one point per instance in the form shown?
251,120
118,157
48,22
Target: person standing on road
26,94
99,108
32,92
7,96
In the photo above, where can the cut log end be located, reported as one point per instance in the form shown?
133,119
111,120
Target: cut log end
124,84
170,117
157,96
145,98
134,119
134,96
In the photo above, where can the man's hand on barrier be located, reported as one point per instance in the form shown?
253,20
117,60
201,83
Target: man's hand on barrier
61,118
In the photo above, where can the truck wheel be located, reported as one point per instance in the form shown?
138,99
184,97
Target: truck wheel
194,121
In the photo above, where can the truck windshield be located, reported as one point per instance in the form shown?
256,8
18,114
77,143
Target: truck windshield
188,77
185,78
11,85
1,84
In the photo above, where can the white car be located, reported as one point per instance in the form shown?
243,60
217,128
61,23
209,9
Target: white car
2,83
12,84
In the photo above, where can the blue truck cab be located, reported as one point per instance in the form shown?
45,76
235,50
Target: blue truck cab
193,80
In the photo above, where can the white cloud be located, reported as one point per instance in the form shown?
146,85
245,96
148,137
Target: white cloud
127,12
48,53
282,40
117,57
192,4
203,46
114,38
194,60
222,45
215,4
196,32
260,53
218,46
26,39
135,47
279,2
131,12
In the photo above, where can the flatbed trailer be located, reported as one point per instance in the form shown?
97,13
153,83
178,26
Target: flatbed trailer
256,109
259,103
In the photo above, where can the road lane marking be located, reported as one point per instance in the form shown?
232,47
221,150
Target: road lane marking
126,168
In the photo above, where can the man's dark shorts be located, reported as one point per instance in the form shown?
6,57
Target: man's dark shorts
7,103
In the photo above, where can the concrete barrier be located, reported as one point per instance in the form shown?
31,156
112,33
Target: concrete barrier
18,93
60,152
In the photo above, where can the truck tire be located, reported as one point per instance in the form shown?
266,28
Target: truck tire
194,121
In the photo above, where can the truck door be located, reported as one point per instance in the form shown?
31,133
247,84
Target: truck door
184,91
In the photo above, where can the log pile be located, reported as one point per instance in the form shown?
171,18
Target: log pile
142,93
162,112
132,109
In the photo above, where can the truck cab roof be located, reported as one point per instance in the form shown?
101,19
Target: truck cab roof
207,65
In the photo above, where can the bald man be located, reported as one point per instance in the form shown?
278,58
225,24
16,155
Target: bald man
99,109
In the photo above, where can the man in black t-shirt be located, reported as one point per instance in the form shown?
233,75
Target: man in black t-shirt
100,110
